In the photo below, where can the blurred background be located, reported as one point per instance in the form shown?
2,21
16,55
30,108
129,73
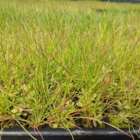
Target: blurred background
128,1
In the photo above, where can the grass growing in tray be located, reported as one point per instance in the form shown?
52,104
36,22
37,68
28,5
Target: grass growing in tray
61,61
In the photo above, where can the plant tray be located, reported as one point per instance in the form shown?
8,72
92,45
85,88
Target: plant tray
48,133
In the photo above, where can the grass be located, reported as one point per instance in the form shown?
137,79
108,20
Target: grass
61,61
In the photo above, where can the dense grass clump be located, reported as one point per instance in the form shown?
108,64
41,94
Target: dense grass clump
62,61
